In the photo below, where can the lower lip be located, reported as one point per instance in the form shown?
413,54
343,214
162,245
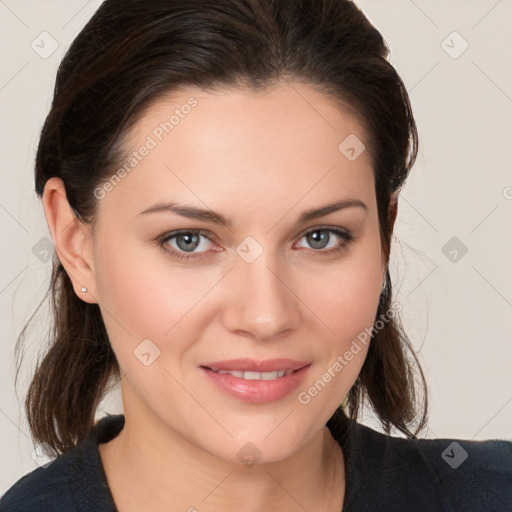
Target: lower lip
257,391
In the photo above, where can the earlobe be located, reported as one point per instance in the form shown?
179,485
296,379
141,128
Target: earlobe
71,238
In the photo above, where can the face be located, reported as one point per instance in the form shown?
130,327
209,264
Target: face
183,296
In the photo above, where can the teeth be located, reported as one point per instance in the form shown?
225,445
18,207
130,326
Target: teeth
256,375
240,375
253,376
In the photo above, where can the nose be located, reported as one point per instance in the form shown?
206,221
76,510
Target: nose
262,302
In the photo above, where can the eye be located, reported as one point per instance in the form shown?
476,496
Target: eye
185,243
319,238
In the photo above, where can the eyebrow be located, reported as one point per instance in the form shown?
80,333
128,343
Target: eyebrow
192,212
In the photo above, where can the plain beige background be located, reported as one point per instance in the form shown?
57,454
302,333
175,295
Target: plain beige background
453,240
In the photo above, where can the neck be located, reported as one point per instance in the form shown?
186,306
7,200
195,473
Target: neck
149,468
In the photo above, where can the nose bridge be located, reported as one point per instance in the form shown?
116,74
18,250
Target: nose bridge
263,303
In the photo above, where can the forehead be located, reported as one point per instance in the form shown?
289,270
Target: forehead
282,143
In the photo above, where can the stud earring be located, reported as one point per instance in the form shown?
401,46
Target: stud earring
84,289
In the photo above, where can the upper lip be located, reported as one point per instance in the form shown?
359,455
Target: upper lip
253,365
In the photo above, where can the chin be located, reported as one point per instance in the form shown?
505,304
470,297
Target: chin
261,448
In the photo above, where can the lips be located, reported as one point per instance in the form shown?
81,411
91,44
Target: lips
256,381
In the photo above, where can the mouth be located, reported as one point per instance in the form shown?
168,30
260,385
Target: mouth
254,375
257,366
256,381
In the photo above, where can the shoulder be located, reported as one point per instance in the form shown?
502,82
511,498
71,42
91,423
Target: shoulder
37,490
74,481
437,474
471,474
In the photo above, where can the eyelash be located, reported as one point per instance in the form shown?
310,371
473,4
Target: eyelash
347,236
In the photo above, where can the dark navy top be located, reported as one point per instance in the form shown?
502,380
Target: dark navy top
383,473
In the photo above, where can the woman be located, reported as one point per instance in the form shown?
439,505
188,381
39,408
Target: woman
221,182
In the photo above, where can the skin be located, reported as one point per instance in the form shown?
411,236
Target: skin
259,159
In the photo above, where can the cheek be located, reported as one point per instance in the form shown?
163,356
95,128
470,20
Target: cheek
128,293
142,297
346,302
345,299
135,303
345,294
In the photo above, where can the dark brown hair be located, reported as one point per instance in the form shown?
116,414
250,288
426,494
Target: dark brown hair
130,54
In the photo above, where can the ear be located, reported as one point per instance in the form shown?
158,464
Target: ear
72,239
392,214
